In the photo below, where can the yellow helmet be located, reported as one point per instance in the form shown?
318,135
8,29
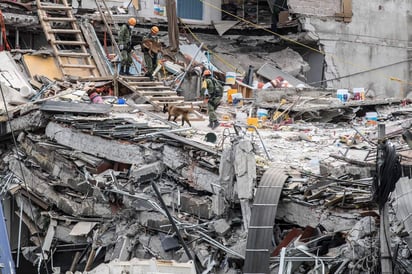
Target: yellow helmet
132,21
154,29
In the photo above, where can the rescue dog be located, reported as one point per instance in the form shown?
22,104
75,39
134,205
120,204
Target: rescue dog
175,112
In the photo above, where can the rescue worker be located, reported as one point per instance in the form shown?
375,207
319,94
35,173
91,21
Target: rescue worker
150,57
125,45
213,91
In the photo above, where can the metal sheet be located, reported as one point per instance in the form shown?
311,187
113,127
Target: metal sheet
262,220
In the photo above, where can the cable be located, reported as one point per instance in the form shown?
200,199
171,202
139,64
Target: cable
360,72
22,174
290,40
213,53
389,170
363,35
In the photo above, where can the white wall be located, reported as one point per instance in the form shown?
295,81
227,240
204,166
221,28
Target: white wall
377,36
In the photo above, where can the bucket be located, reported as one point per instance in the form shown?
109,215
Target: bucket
261,112
230,78
210,137
237,99
342,95
156,10
161,11
27,92
230,92
252,121
371,118
358,94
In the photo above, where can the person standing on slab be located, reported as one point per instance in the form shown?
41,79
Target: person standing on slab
125,46
213,90
150,49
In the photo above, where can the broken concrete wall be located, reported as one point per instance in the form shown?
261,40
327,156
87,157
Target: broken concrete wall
358,55
315,7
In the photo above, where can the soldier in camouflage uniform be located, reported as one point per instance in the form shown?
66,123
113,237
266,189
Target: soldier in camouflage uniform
125,46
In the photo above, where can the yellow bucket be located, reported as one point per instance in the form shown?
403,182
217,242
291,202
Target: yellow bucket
252,121
229,95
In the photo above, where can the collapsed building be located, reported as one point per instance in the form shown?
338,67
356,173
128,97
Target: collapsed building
113,187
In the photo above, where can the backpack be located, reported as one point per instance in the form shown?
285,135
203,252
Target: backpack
218,88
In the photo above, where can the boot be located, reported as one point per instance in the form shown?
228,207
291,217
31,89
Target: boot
128,70
122,72
210,124
215,124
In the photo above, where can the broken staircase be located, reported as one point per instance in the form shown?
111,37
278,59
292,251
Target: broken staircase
65,37
156,93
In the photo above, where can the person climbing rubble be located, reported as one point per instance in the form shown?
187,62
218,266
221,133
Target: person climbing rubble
213,90
125,46
150,49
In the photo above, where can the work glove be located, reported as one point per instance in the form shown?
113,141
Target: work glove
121,47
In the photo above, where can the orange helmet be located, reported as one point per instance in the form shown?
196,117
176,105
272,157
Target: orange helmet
207,73
132,21
154,29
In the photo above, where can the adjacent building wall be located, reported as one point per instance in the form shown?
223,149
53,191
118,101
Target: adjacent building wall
360,53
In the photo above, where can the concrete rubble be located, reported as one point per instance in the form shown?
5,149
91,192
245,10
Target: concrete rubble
314,186
84,180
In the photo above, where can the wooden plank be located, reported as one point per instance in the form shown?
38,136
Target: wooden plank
77,66
55,7
134,79
158,103
152,93
145,83
99,56
165,98
73,54
347,8
64,31
69,43
155,87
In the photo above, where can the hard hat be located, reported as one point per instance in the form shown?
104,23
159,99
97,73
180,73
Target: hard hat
207,72
132,21
154,29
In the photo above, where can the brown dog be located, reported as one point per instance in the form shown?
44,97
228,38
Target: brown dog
175,111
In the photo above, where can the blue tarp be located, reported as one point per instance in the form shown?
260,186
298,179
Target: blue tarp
6,260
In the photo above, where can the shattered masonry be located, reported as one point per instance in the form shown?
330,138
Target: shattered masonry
309,174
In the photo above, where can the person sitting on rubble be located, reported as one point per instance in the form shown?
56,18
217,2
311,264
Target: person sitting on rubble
278,82
125,46
213,90
150,49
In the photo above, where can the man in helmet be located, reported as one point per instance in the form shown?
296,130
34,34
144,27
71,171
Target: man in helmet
150,50
212,90
125,45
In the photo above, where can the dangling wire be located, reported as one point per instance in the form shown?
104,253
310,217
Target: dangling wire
389,170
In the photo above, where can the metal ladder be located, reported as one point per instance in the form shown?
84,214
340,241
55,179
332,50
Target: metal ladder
65,37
